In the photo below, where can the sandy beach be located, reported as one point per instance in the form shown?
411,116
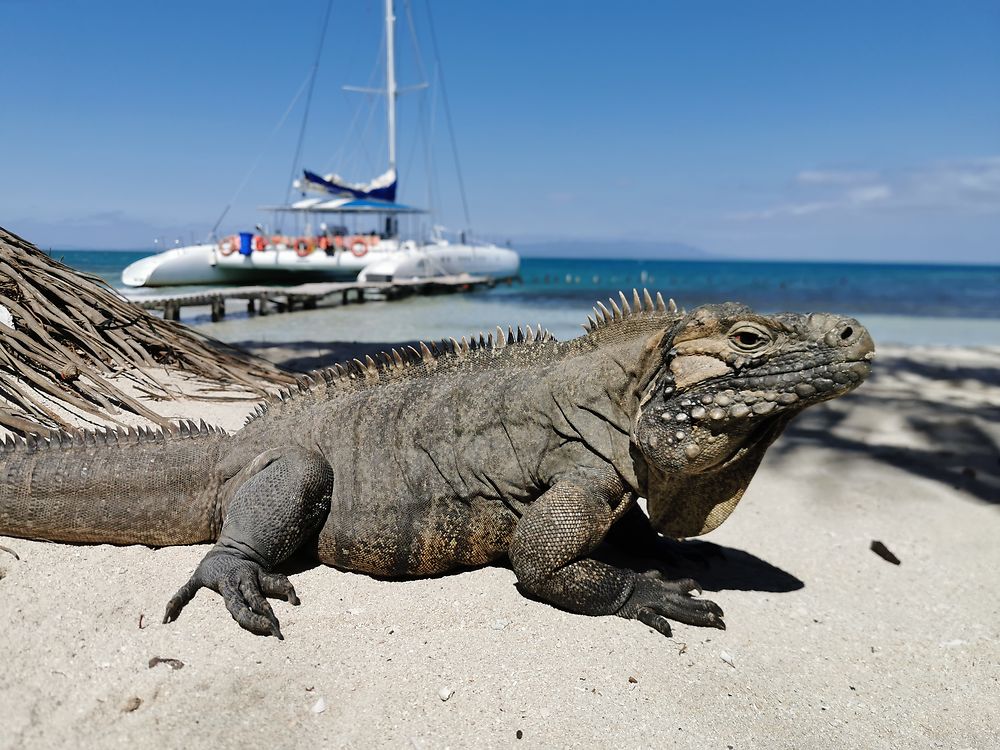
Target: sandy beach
828,644
200,203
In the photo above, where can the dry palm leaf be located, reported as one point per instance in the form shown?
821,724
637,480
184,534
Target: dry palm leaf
65,334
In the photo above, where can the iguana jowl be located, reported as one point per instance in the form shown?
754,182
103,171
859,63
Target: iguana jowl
434,459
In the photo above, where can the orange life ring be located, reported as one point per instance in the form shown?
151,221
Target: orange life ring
303,247
259,243
229,245
359,247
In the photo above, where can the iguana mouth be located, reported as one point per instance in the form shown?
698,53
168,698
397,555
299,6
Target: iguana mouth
860,369
765,432
771,426
828,378
845,364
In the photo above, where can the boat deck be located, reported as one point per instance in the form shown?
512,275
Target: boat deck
262,300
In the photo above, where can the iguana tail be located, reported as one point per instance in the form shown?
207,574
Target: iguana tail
124,486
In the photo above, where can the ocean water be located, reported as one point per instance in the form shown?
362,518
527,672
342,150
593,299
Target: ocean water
900,303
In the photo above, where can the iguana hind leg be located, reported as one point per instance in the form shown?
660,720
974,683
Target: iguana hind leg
283,499
549,555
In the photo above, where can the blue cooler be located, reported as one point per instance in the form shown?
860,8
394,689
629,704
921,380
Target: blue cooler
246,243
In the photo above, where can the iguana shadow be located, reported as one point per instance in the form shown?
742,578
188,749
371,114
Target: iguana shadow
714,566
305,356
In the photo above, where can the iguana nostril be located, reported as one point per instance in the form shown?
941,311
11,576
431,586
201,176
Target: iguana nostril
844,332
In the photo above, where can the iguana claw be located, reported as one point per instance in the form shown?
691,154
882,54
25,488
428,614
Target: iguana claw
243,585
655,599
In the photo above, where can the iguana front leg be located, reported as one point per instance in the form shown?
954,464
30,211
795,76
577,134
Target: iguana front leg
283,498
549,556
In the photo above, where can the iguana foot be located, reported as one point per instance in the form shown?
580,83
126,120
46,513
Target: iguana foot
654,599
243,585
283,500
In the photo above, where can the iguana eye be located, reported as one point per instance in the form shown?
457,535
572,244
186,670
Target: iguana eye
749,339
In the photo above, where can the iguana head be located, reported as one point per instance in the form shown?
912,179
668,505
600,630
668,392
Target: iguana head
727,384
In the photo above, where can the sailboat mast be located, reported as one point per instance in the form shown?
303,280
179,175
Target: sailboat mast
390,79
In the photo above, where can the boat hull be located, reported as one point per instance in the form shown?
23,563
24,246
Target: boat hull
177,267
445,259
205,264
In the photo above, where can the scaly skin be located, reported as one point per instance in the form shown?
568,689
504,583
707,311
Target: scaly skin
434,460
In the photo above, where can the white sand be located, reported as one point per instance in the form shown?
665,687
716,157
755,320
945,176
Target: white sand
833,647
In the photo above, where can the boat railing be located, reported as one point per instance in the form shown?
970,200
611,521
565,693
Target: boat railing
303,245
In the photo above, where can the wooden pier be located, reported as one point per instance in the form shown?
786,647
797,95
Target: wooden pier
262,300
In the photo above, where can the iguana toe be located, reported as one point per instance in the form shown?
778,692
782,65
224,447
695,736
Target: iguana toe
277,586
178,601
656,621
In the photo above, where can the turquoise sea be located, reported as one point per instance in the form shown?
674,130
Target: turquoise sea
900,303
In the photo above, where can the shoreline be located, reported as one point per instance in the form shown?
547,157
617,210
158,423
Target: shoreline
559,292
416,318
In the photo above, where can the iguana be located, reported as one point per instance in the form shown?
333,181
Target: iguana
440,457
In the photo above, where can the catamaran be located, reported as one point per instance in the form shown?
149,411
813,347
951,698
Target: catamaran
350,231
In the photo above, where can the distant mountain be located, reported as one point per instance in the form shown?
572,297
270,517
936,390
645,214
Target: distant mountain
611,249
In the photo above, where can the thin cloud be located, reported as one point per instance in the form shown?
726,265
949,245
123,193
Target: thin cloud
868,194
832,177
970,184
961,186
790,209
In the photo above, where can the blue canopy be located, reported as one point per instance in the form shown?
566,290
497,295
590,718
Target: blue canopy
347,206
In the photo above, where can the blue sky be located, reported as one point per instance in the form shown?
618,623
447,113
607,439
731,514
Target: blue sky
852,130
